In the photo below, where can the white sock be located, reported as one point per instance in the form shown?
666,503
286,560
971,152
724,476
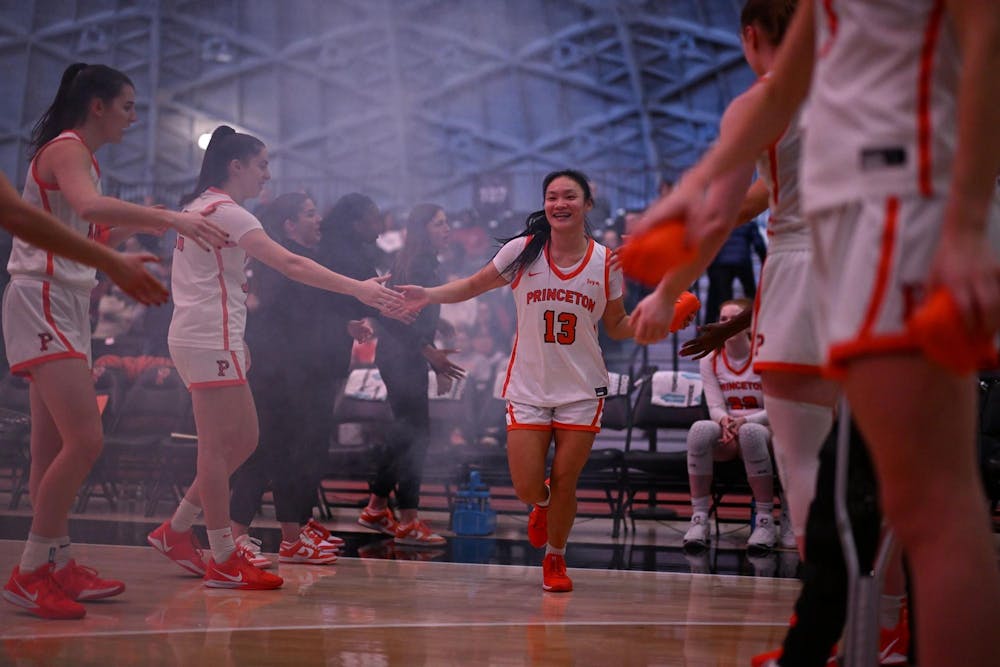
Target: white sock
184,516
888,610
63,553
548,497
799,432
549,549
37,552
765,509
222,544
701,505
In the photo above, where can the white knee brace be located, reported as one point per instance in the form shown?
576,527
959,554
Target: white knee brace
701,440
754,439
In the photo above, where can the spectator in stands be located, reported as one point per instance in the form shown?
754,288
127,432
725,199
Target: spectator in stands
288,376
404,353
734,262
738,428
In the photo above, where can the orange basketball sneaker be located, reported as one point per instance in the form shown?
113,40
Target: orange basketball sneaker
239,573
554,578
538,524
685,308
82,583
38,593
182,548
648,256
938,328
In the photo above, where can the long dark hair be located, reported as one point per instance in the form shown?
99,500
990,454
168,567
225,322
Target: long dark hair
80,84
339,220
284,207
773,16
537,225
418,242
226,145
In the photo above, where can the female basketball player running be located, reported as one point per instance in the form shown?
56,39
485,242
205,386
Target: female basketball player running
899,164
47,326
206,345
563,285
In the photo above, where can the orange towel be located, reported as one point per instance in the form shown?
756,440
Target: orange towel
646,257
938,328
686,306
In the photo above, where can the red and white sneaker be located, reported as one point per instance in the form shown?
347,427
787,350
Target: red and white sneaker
417,534
250,546
554,576
182,548
38,593
321,536
894,645
538,524
82,583
239,573
383,522
304,550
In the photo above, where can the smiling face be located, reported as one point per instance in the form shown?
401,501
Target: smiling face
250,175
116,115
305,227
566,206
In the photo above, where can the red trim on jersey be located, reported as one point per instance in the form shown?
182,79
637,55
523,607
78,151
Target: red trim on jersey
832,23
520,272
842,354
575,272
931,33
529,427
22,368
740,371
47,308
225,301
756,311
786,367
510,365
236,365
884,264
597,414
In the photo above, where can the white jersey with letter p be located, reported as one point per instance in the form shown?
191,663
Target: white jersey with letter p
556,358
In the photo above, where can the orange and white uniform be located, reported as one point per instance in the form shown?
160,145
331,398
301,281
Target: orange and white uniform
786,321
879,142
556,376
210,292
732,389
46,306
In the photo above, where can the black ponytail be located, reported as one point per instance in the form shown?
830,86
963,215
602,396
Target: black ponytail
80,84
537,225
225,146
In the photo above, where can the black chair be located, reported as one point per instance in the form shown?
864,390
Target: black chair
989,438
149,411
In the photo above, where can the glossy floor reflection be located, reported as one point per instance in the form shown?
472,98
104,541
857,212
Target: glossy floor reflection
381,611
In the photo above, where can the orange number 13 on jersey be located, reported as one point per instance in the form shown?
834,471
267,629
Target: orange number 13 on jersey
567,327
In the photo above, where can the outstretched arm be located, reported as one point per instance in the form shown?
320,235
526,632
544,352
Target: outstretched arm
40,229
463,289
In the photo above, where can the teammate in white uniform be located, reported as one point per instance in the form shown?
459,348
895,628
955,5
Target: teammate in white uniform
47,326
563,285
738,427
206,345
900,155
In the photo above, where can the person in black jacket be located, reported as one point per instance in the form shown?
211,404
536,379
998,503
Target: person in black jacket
404,352
734,263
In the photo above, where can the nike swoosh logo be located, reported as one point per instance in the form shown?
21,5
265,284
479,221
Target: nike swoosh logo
26,594
536,273
887,651
238,578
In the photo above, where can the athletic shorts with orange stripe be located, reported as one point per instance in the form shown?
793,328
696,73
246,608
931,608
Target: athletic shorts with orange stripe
576,416
873,259
44,321
201,368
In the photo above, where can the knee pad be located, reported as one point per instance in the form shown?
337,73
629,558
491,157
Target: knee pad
799,432
701,440
754,440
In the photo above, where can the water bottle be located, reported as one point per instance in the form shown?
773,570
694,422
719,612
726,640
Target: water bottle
472,514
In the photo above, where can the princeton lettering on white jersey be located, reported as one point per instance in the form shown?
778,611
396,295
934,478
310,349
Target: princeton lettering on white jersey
209,288
729,388
556,358
882,102
30,262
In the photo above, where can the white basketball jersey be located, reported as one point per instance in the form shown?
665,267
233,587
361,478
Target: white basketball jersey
778,167
556,358
734,389
882,108
27,260
210,288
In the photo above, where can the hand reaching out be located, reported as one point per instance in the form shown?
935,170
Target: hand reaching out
128,271
360,330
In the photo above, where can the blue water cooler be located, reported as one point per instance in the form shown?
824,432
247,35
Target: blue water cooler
472,514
